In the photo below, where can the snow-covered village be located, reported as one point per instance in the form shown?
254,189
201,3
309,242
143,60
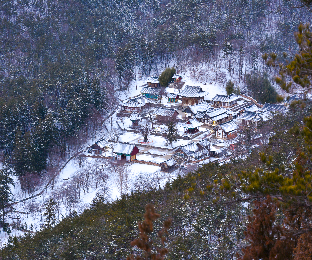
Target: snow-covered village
155,129
155,134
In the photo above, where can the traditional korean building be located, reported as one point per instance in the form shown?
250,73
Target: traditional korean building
151,92
173,97
268,110
225,101
177,78
126,151
217,116
153,82
168,165
164,114
135,119
192,126
133,104
188,113
192,95
227,130
240,108
249,119
96,149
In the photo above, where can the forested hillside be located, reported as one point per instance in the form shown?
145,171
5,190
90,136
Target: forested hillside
61,65
209,208
62,60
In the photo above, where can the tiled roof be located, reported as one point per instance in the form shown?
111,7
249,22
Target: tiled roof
187,110
247,116
201,107
195,150
162,111
149,90
229,126
193,123
273,108
224,98
239,107
172,95
171,162
220,117
216,111
135,116
192,91
153,80
123,148
134,102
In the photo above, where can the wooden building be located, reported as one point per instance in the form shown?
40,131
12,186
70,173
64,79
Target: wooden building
227,130
192,95
126,151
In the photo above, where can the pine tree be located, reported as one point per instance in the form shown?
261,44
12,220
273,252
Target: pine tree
166,76
5,191
229,87
171,134
50,213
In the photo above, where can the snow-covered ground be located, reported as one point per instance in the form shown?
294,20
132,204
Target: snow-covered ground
84,178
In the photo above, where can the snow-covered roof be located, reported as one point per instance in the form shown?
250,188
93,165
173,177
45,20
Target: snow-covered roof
135,116
194,149
215,149
216,111
162,111
153,80
192,91
171,162
175,76
150,90
200,115
225,98
253,108
134,102
192,123
248,116
273,108
239,107
220,117
229,126
204,106
172,95
123,148
187,110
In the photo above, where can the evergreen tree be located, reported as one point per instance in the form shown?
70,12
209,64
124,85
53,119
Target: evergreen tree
50,213
166,76
229,87
171,134
5,191
261,88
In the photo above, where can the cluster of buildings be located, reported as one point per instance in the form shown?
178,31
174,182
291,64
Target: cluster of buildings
207,124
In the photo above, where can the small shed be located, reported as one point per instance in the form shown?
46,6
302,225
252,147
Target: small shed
126,151
192,126
188,113
173,97
135,118
96,149
215,151
153,82
168,165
